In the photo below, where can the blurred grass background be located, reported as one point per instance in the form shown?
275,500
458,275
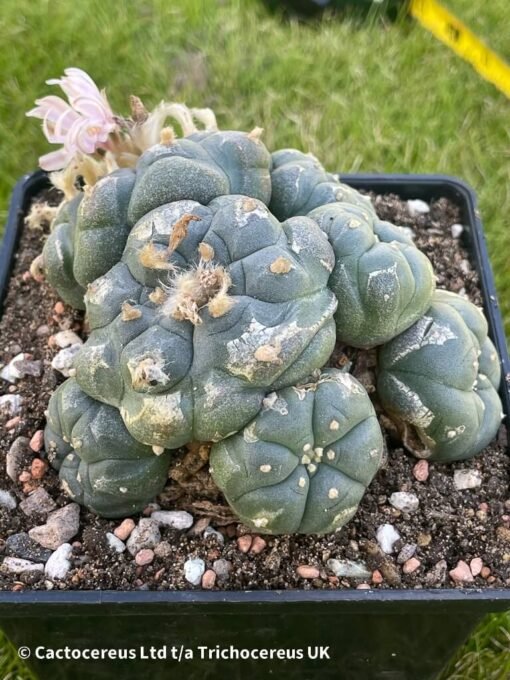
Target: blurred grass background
364,95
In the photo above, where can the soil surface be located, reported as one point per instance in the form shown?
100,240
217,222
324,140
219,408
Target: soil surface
450,526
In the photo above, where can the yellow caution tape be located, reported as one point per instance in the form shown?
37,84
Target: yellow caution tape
451,31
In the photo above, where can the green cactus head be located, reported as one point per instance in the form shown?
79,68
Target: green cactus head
303,464
89,234
441,376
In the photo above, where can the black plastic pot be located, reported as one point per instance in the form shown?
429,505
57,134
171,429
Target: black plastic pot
387,634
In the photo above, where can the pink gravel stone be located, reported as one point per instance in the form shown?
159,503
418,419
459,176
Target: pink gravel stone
25,476
59,308
461,573
244,543
411,565
377,577
124,529
363,586
476,566
421,471
38,468
485,573
306,571
37,441
258,545
209,579
144,557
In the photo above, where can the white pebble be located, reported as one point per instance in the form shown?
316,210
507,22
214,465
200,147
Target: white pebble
177,519
58,564
467,479
63,361
349,569
407,502
211,531
115,543
10,372
18,566
7,500
456,230
65,339
418,207
194,570
11,403
387,536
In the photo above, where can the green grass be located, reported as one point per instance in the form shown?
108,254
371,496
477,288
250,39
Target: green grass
371,97
11,667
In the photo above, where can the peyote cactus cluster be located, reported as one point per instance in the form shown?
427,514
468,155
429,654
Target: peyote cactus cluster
217,279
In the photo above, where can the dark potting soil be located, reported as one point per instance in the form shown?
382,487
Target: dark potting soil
450,525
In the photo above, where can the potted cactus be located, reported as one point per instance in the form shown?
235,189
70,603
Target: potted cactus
233,299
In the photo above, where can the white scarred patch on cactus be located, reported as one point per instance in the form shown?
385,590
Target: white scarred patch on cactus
249,435
256,344
275,403
147,371
417,413
99,291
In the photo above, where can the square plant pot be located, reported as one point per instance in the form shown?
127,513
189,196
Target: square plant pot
390,634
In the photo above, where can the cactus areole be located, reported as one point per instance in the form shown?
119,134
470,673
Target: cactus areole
216,280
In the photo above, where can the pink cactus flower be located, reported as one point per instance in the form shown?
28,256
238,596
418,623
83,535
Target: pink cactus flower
84,125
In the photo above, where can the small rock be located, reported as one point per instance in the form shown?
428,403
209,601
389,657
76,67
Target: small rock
59,308
209,579
12,423
7,500
61,526
387,536
421,470
151,509
144,557
144,535
37,441
210,531
59,564
476,566
461,573
503,533
42,331
424,540
38,468
258,545
348,569
115,543
15,565
11,404
25,476
363,586
199,527
222,569
418,207
467,479
402,500
163,550
307,571
28,367
39,502
21,545
437,575
244,543
485,573
411,565
377,577
406,553
177,519
456,230
124,529
194,570
10,371
63,360
65,339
